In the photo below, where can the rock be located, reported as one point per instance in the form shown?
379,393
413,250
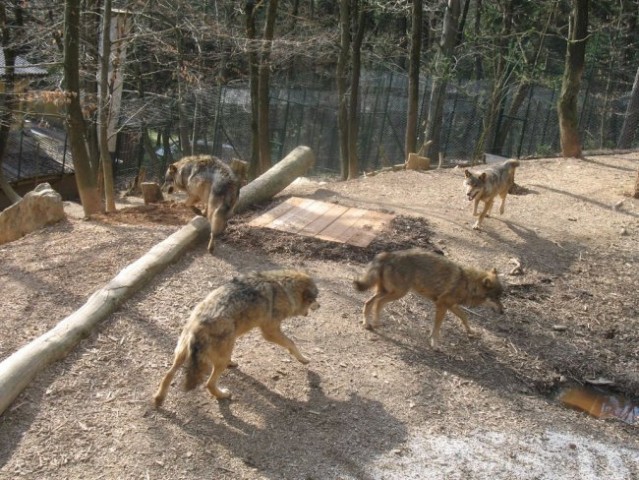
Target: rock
39,207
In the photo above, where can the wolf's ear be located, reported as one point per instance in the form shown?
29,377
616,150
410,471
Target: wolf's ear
494,271
467,173
482,177
172,168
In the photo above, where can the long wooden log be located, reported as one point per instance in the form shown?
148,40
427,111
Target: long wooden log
19,369
276,178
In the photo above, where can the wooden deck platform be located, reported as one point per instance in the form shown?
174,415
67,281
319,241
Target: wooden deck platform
326,221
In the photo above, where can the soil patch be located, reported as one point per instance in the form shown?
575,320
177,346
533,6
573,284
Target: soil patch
371,404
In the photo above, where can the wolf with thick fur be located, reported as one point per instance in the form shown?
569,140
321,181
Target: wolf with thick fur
394,274
486,185
256,300
208,180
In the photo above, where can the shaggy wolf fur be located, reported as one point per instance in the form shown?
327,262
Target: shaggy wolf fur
485,186
394,274
208,180
261,300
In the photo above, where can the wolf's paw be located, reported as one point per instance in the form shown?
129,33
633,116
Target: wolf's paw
222,394
232,364
433,342
476,226
303,360
368,326
158,400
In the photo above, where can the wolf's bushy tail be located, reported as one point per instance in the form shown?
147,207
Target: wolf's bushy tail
196,366
372,274
513,163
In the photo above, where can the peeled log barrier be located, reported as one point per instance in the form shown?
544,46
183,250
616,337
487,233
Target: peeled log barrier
17,370
276,178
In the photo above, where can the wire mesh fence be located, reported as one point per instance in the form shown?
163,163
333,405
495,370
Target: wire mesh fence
155,130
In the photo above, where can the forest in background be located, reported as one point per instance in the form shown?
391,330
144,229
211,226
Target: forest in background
361,82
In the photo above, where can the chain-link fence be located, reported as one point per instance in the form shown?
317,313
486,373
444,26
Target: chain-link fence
156,130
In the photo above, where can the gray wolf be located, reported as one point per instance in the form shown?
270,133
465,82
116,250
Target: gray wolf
256,300
394,274
208,180
485,186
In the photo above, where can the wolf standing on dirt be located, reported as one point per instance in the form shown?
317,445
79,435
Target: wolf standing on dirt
208,180
486,185
261,300
449,285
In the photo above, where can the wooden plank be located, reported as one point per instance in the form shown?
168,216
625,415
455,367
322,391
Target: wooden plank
364,231
275,212
296,218
324,221
335,231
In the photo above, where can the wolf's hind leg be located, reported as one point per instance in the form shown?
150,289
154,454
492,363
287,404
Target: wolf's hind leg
377,302
160,394
221,360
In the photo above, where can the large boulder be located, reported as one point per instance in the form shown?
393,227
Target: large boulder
41,206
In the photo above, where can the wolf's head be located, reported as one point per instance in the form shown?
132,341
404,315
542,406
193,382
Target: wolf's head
169,178
493,290
309,294
474,184
302,291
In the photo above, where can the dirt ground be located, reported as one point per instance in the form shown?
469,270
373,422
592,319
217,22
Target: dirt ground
370,405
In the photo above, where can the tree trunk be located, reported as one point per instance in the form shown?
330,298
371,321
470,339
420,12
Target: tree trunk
10,100
487,138
629,128
89,65
479,66
341,74
438,92
413,77
504,128
103,109
249,11
575,60
264,136
85,173
353,109
523,89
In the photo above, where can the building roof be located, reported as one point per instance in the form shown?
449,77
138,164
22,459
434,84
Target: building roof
22,67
